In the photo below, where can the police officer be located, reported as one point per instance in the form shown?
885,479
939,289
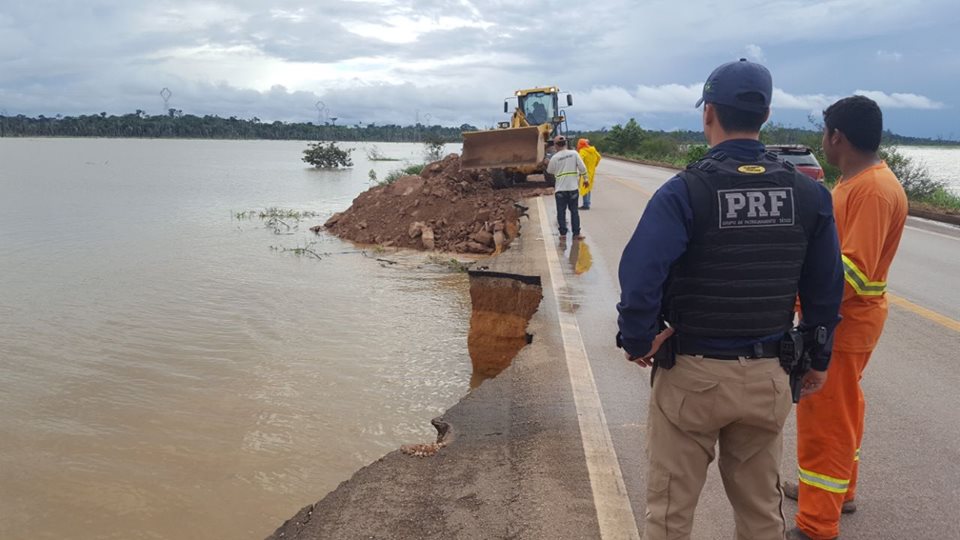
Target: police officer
711,274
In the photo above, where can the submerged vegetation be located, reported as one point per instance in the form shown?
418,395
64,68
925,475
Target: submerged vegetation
279,220
301,251
375,154
327,156
433,147
450,264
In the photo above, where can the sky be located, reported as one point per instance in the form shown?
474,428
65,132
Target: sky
451,62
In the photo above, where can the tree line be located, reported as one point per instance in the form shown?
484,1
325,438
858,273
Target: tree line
175,124
630,138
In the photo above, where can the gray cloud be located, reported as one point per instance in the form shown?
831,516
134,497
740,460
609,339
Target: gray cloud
383,60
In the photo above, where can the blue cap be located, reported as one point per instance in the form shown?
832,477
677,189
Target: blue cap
743,85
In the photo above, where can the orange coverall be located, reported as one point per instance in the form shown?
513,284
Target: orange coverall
870,209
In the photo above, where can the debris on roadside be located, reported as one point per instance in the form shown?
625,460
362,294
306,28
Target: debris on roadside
442,209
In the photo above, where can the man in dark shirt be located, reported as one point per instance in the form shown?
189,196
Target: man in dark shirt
712,271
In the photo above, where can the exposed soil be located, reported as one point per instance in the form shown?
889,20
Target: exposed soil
442,209
502,306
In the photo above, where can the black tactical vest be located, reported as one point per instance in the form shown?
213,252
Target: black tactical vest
739,275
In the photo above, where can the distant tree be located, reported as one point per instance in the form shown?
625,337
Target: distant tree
433,147
623,139
328,156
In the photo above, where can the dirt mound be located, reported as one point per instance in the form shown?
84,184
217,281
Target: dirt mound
443,209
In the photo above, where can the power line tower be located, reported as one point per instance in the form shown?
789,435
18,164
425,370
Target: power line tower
166,94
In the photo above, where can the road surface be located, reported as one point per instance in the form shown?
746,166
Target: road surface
553,447
909,475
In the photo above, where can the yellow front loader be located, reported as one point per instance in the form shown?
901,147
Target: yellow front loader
519,147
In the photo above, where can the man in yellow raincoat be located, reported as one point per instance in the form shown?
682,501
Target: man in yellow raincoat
591,158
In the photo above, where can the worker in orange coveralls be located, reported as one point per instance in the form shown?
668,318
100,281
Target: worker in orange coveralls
591,158
870,208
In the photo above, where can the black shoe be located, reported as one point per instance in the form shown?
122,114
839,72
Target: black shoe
584,208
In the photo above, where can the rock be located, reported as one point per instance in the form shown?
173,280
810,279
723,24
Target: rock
474,247
427,238
416,229
498,240
512,229
483,238
333,220
362,225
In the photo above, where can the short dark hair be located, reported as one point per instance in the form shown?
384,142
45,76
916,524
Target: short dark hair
859,118
734,120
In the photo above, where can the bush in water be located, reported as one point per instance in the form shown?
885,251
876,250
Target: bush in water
328,156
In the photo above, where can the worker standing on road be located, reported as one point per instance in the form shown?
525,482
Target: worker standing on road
870,208
567,167
591,158
718,258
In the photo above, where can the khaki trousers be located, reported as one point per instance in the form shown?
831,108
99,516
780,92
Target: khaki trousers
743,404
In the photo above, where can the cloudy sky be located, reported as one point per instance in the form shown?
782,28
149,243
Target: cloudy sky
453,62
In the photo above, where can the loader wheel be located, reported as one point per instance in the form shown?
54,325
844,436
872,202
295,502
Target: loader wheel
501,178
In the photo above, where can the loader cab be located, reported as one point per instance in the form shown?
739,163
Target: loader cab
539,107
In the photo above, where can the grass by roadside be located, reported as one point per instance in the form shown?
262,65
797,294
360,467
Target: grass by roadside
396,174
941,198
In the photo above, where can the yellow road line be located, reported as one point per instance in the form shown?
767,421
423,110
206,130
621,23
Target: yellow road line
924,312
633,186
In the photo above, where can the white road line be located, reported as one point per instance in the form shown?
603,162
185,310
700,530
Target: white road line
614,512
931,232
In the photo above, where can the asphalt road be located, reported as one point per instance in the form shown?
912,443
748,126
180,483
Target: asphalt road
553,447
909,474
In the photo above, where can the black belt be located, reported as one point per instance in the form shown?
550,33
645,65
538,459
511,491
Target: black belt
768,349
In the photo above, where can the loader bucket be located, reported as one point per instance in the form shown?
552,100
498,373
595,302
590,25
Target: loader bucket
501,148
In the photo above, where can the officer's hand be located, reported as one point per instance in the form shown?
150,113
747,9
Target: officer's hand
647,359
812,382
638,360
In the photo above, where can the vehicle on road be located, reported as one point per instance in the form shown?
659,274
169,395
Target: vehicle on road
801,156
518,148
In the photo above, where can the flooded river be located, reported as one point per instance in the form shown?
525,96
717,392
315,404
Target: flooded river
943,163
168,371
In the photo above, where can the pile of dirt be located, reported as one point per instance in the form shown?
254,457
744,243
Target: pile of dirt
443,209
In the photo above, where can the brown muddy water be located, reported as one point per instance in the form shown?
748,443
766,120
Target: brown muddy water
164,373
